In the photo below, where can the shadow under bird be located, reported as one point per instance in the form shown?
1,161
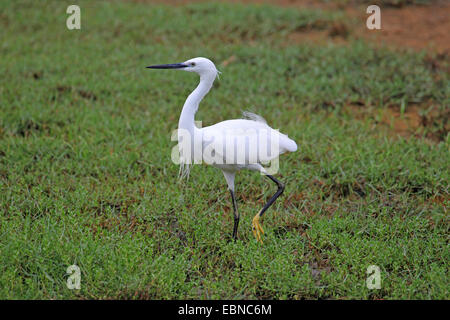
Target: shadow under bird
244,139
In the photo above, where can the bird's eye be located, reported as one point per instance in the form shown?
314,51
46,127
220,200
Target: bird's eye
192,64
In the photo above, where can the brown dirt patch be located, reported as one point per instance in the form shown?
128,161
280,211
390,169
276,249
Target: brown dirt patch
416,27
417,120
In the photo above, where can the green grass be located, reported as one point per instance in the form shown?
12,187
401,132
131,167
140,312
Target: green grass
86,176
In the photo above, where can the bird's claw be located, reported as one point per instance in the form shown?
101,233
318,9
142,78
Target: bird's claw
257,229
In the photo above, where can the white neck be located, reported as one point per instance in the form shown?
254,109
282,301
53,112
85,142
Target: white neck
193,100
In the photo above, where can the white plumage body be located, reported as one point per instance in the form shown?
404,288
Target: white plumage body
250,142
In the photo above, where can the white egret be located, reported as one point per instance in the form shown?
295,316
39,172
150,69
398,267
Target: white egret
249,143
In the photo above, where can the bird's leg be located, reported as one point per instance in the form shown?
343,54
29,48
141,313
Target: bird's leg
257,229
236,215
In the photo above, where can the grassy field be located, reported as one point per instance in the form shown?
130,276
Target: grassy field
86,176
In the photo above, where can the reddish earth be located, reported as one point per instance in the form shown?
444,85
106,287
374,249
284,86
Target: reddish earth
415,121
416,27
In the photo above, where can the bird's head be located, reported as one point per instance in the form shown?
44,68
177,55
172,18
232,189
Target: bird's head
201,66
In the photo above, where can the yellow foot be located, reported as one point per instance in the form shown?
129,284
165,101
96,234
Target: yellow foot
257,229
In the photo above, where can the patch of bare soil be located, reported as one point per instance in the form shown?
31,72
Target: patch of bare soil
416,121
416,27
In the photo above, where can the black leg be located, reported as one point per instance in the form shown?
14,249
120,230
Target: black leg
274,197
236,215
257,229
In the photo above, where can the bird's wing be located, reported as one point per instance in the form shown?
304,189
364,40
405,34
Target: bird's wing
242,141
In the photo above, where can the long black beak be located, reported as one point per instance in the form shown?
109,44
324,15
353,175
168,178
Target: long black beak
169,66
